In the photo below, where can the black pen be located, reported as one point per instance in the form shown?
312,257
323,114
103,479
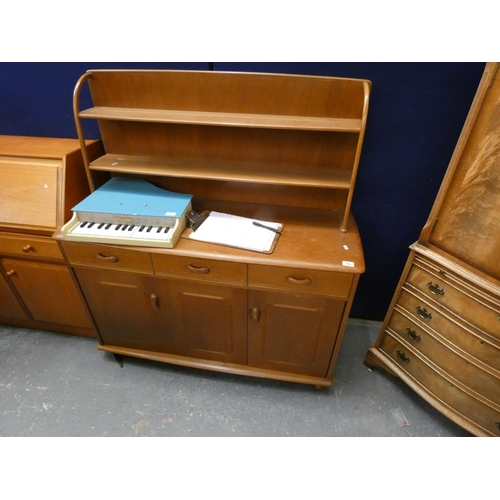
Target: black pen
258,224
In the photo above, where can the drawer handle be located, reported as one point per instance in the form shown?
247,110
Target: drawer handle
198,269
413,334
402,356
298,281
155,301
434,289
28,249
10,273
255,314
108,258
423,313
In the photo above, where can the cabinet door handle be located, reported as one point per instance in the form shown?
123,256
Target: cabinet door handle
402,356
155,300
10,273
28,248
298,281
108,258
198,269
423,313
255,314
434,289
413,334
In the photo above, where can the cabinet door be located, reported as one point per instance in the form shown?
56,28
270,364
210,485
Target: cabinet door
9,305
126,308
48,291
209,321
292,333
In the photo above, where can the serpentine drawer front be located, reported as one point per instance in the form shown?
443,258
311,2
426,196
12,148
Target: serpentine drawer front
453,361
451,291
445,389
29,246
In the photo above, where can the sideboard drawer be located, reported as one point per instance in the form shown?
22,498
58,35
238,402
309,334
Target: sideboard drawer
30,246
200,269
85,254
441,389
300,280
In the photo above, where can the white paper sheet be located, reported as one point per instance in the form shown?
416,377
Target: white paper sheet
235,231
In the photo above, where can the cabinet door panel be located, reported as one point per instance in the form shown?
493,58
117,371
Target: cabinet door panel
48,292
209,321
125,308
9,305
291,333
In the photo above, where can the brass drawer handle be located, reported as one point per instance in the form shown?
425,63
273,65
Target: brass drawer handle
108,258
28,249
434,289
10,273
413,334
298,281
423,313
198,269
402,356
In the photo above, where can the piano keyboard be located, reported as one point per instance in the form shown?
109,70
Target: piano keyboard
129,211
123,234
124,231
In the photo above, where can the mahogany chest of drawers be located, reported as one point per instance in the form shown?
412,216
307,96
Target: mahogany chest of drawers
441,334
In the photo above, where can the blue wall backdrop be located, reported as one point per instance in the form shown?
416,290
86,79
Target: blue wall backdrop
417,111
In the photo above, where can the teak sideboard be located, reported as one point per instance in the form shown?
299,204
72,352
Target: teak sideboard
41,179
441,334
281,148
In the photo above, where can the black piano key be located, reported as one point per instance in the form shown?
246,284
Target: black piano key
83,224
141,229
130,228
118,227
124,227
90,225
108,226
100,225
148,230
159,230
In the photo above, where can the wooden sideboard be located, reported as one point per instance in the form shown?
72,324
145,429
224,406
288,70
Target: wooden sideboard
41,179
273,147
441,334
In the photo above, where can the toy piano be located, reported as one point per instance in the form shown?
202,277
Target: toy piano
129,211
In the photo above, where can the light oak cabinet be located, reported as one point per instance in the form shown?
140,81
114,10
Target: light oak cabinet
284,148
441,334
41,179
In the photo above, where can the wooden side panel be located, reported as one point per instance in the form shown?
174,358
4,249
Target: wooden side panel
468,221
30,192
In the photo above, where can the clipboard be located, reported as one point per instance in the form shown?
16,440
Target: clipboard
233,231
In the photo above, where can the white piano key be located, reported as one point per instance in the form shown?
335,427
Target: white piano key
82,228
